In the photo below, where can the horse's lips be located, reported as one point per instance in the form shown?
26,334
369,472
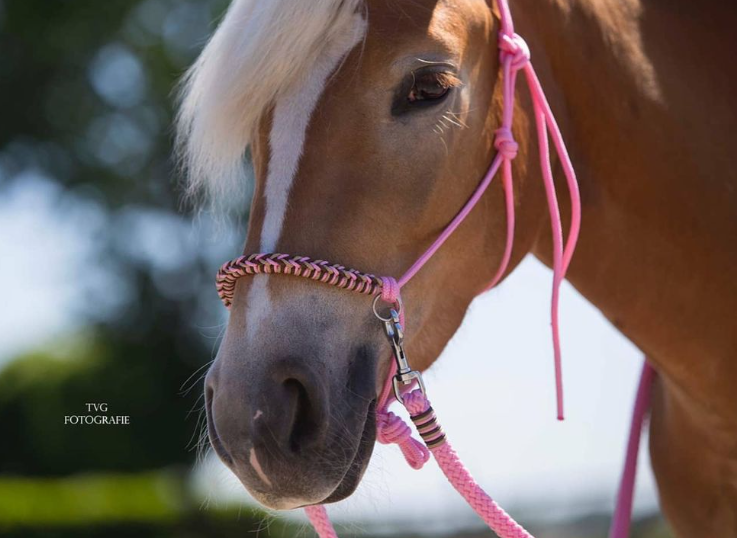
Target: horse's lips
354,472
358,465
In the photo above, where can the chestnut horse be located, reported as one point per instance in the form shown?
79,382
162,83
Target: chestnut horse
370,122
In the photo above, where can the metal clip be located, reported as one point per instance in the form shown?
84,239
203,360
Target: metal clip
405,375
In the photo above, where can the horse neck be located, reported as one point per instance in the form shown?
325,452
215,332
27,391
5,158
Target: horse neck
651,252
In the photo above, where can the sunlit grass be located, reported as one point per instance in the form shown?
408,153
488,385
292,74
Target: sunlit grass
90,499
154,504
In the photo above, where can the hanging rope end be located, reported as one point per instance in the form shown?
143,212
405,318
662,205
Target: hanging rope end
559,403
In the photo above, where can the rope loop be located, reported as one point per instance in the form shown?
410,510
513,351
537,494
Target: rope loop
391,429
515,47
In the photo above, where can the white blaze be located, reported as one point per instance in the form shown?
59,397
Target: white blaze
292,113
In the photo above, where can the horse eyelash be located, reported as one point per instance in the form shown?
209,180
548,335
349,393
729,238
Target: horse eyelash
449,80
445,79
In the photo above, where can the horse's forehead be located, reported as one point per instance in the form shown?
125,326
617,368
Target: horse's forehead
441,24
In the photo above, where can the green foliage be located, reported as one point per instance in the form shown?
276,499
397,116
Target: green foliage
110,505
138,368
87,87
92,499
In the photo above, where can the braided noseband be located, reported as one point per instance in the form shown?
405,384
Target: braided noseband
301,266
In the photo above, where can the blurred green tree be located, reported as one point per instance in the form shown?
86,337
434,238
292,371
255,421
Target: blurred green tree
138,365
87,93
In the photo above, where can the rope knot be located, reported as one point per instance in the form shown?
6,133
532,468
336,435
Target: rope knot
391,429
514,47
505,143
416,402
389,290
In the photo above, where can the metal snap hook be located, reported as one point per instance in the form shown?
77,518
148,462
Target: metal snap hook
405,375
404,379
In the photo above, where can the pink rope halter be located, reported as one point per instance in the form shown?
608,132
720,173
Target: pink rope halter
515,57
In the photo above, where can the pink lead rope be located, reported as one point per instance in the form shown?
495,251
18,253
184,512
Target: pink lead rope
623,512
494,516
515,57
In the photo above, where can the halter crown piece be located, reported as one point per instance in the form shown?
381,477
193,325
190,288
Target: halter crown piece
515,57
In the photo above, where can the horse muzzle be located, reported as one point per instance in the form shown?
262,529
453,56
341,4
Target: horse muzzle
295,422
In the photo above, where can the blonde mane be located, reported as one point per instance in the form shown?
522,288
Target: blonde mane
261,49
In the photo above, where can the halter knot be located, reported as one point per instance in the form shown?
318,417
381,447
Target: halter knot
416,402
389,290
514,47
391,429
505,143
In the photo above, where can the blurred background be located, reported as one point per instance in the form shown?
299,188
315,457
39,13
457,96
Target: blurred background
107,296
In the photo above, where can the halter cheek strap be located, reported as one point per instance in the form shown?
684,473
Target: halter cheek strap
514,57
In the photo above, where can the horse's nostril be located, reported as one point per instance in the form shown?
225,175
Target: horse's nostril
304,427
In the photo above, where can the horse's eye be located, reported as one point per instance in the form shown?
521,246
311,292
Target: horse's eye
423,88
428,86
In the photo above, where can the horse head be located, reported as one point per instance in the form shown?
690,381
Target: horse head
369,125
